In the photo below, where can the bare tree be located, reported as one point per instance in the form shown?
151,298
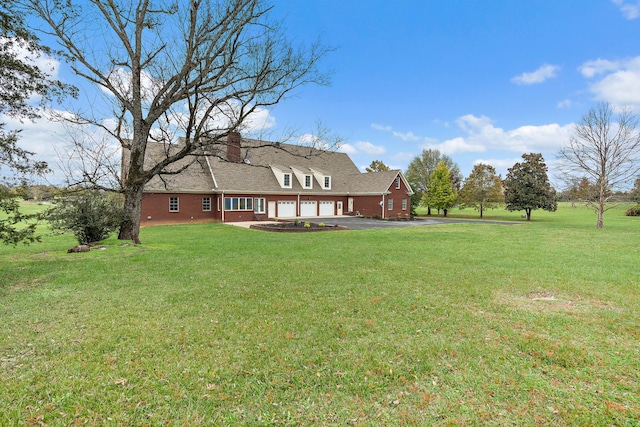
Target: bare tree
605,149
197,70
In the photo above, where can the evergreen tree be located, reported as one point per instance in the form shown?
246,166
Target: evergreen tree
527,186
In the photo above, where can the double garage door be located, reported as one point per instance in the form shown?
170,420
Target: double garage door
287,209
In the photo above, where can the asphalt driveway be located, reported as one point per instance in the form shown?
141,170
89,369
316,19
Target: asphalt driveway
355,223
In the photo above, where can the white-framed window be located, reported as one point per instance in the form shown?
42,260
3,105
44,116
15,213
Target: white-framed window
174,204
259,205
404,204
398,182
286,182
327,182
307,181
206,204
238,204
389,204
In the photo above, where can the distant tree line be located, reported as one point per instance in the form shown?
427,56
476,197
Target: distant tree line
438,184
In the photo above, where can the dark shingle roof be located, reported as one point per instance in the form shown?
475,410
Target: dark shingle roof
213,173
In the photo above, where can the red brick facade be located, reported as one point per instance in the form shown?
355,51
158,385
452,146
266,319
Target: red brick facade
378,205
159,208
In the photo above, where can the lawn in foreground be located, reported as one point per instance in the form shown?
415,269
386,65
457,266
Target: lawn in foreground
535,324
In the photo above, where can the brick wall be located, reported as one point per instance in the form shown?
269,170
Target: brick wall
155,208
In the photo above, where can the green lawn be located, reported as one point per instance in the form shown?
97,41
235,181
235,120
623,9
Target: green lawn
461,324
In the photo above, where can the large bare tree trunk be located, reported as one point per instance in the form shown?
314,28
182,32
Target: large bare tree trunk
130,228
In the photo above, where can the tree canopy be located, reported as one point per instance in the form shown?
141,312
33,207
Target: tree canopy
482,189
195,70
605,150
377,166
527,187
21,81
441,194
421,168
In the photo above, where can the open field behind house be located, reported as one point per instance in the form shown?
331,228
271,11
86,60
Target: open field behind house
209,324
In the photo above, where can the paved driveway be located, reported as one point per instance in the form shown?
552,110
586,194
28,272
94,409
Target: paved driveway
355,223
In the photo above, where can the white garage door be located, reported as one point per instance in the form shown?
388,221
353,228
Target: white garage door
286,209
308,208
326,209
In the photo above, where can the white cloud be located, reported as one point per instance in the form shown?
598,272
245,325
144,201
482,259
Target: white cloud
45,63
565,103
405,136
260,120
408,136
618,82
599,66
630,10
348,148
499,164
381,127
369,148
543,73
456,145
40,137
121,80
403,157
482,135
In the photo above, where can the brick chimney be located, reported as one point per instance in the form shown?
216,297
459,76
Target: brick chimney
233,147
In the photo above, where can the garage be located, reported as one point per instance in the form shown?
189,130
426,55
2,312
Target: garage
308,208
326,208
286,209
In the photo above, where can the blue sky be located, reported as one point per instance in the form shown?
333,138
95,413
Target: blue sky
478,80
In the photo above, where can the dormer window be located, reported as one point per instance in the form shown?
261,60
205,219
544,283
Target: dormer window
284,176
307,181
323,178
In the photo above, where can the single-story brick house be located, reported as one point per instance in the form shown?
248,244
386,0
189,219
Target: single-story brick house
251,180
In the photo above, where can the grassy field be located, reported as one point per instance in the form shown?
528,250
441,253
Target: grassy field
461,324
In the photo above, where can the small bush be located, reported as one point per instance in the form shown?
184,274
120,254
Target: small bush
633,211
91,215
307,225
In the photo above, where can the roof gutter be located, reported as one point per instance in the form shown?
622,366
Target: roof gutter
215,184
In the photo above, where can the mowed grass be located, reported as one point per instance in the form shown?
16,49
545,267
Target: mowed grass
460,324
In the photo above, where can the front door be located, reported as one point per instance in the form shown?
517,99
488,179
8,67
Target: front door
271,209
339,207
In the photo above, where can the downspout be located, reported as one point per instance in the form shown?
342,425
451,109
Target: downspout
222,206
215,184
382,205
298,206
